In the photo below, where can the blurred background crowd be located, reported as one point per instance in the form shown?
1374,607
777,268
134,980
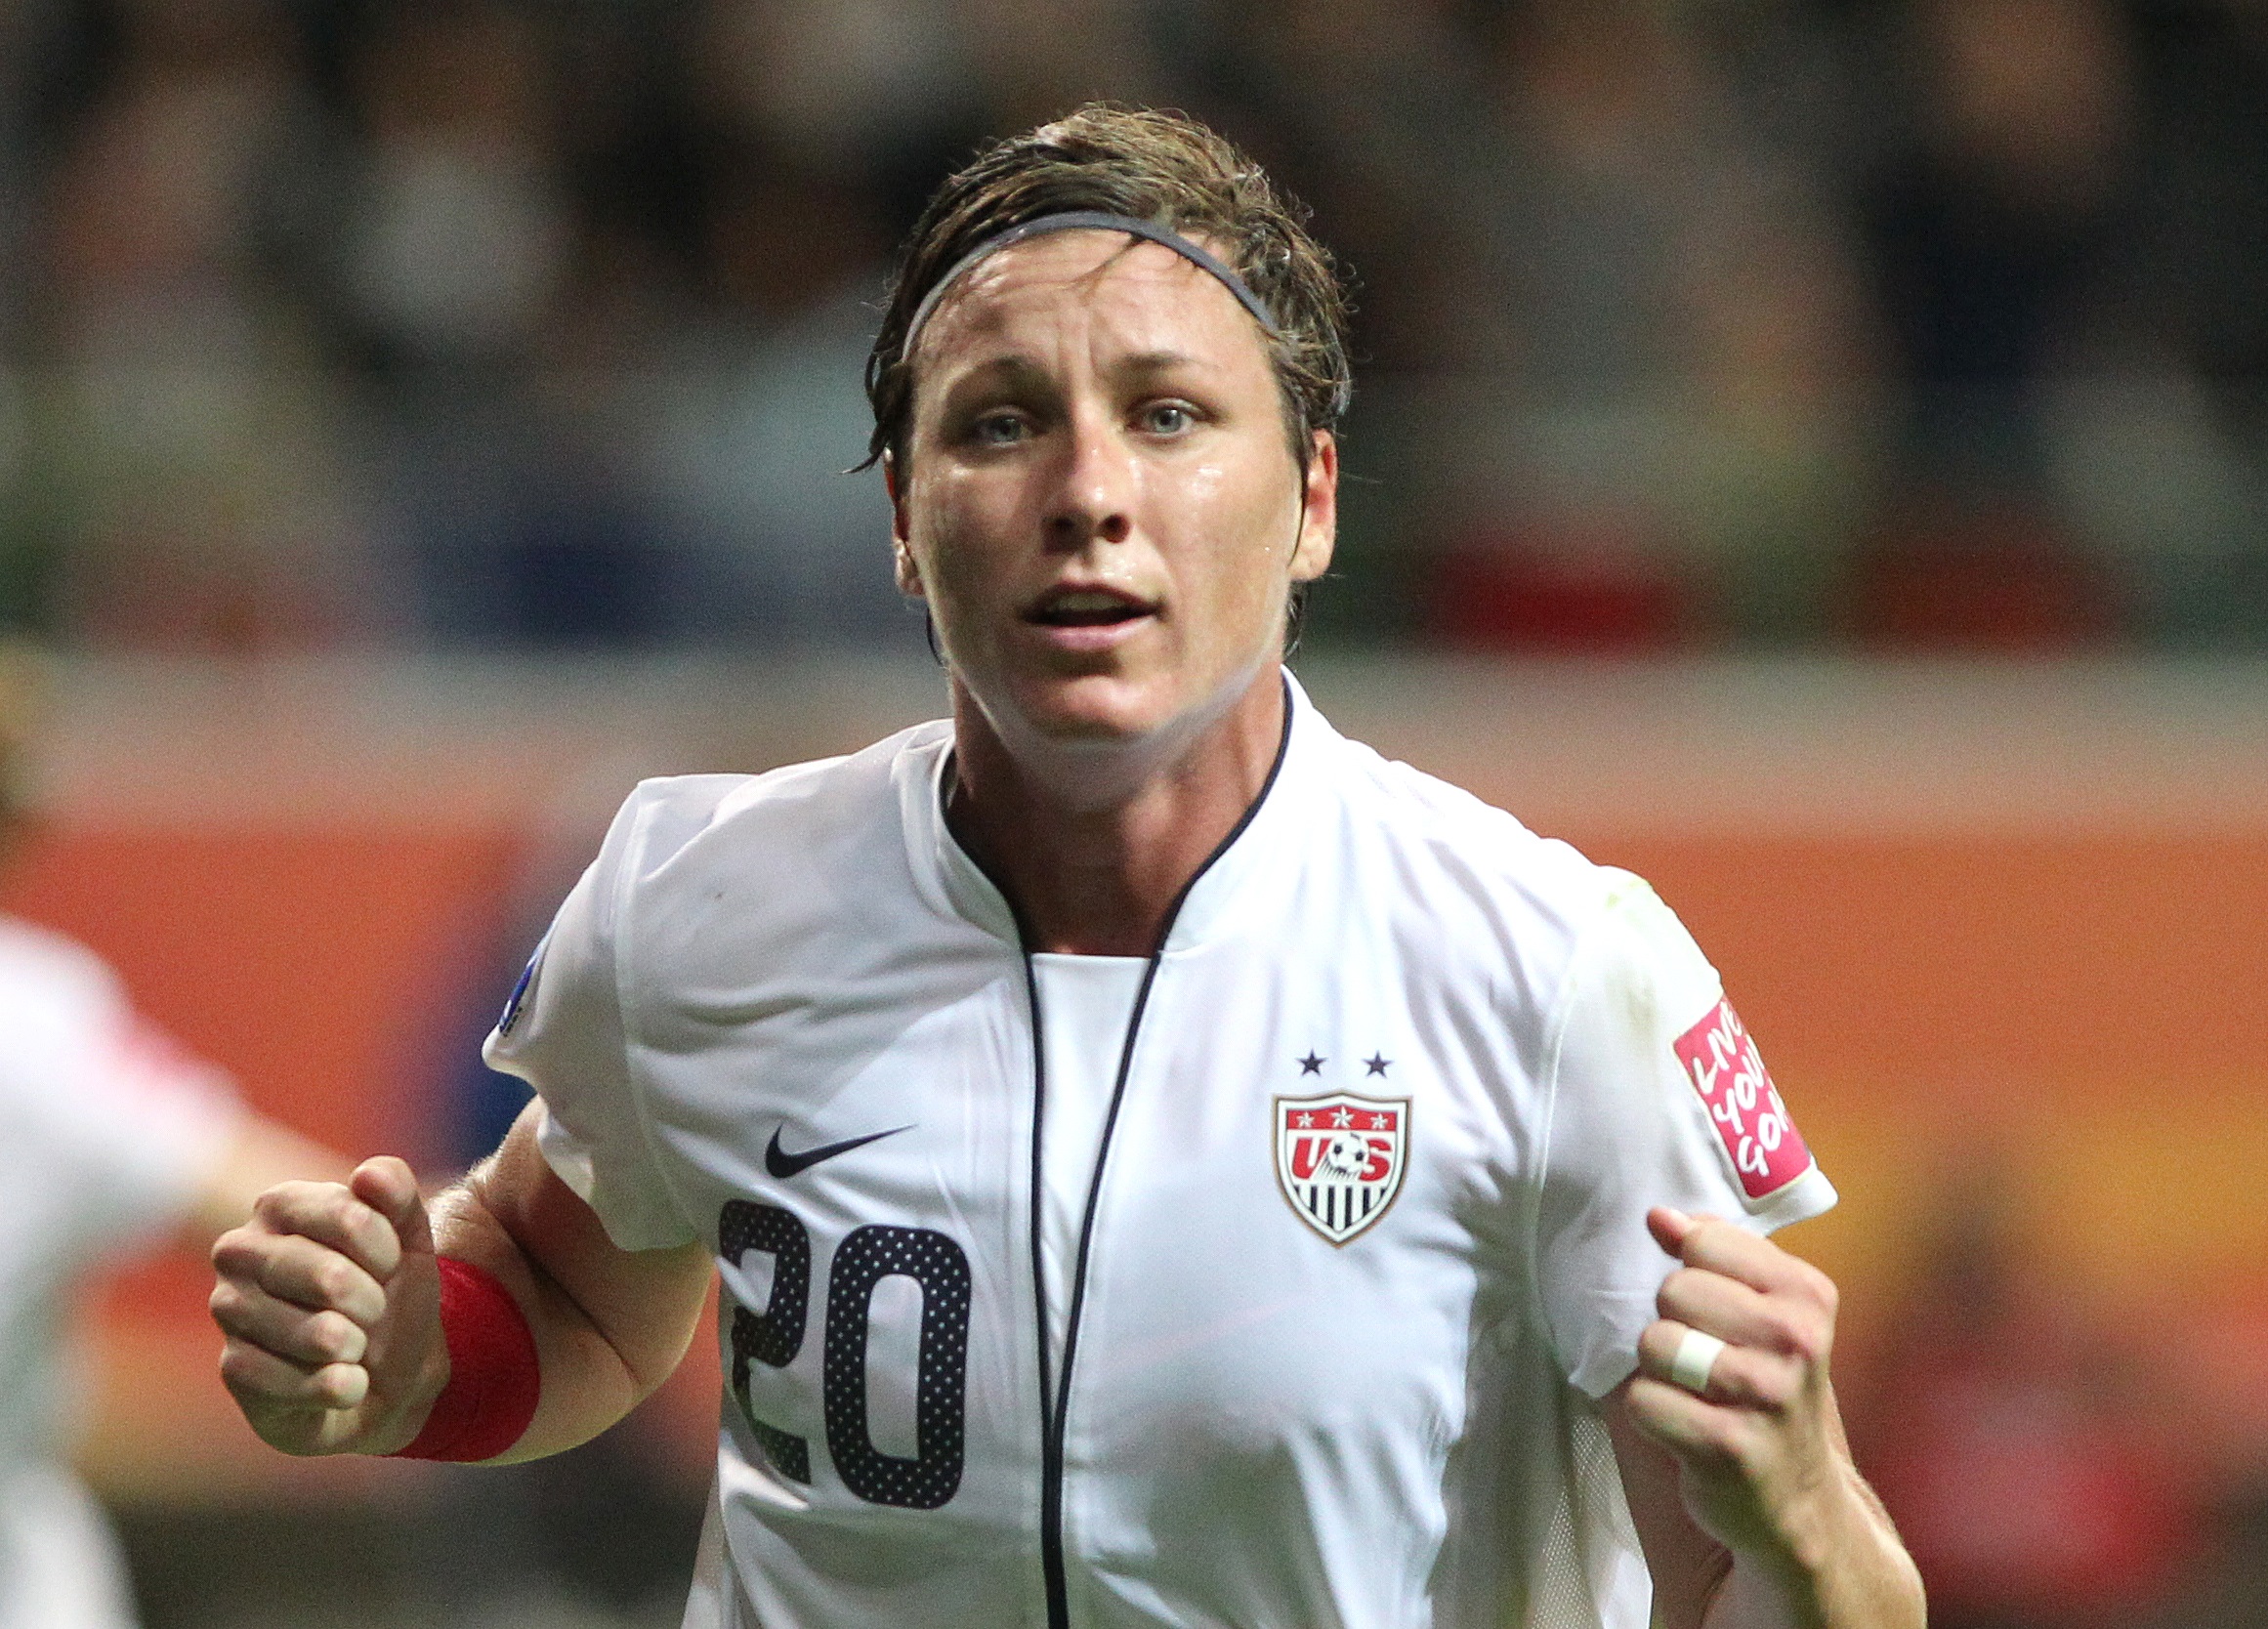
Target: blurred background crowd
404,329
1685,323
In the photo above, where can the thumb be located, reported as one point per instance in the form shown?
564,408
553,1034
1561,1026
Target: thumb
389,1186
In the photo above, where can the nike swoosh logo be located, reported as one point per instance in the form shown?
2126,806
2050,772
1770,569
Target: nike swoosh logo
780,1163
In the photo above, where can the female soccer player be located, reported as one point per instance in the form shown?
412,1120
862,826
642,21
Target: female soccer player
1167,1165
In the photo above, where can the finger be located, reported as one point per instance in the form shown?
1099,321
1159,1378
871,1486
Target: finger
1721,1246
389,1186
1794,1323
287,1330
1704,1435
299,1269
1668,1227
1723,1307
1739,1376
262,1382
330,1214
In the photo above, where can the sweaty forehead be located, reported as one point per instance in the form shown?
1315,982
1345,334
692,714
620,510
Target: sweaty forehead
1089,286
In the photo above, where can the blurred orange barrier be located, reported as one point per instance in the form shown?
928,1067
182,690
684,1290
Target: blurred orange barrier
1947,970
309,960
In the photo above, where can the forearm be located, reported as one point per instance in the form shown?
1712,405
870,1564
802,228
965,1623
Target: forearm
1846,1569
1739,1478
586,1383
609,1327
498,1322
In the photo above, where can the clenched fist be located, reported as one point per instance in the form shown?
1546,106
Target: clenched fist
331,1306
1762,1446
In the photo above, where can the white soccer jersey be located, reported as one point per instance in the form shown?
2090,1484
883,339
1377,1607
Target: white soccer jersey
107,1132
1300,1326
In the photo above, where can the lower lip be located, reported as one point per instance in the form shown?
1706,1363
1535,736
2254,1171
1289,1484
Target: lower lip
1091,635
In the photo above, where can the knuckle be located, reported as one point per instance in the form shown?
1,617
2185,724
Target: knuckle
334,1279
335,1336
240,1367
1676,1291
1782,1329
1804,1333
1818,1288
344,1385
1772,1385
274,1204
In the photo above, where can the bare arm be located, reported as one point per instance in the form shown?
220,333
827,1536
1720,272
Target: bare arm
329,1300
1750,1509
611,1324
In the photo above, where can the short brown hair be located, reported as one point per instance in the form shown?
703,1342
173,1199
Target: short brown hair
1161,167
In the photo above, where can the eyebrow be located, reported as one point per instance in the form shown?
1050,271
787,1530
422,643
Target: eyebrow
1165,362
1018,364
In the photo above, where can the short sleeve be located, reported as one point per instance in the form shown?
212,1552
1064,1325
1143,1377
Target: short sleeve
1659,1097
563,1032
111,1128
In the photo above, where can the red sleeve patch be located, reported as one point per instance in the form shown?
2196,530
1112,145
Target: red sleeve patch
1721,1060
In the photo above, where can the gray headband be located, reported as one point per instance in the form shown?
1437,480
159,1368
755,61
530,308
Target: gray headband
1088,220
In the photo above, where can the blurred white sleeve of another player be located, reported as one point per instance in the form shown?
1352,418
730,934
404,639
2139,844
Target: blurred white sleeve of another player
110,1132
1633,1126
110,1136
59,1566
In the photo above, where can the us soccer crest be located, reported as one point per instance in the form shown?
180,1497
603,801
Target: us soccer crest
1339,1159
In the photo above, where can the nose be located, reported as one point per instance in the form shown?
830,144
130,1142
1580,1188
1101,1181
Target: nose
1093,499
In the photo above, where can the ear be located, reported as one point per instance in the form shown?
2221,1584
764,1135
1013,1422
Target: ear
903,565
1318,515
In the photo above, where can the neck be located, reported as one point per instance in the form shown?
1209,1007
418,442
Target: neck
1094,844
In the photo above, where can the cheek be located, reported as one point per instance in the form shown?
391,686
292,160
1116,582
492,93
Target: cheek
952,521
1251,526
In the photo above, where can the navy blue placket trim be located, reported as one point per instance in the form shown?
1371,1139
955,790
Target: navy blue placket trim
1055,1392
1051,1465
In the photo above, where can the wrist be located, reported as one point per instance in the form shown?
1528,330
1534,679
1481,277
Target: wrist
1835,1561
406,1416
481,1377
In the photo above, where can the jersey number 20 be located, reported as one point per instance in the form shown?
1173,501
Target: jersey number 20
775,1336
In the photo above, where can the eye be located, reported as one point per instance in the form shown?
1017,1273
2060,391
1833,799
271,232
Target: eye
1167,418
999,430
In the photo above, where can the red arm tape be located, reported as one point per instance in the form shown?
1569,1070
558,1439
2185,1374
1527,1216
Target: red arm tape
493,1376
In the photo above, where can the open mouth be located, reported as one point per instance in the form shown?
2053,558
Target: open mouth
1087,609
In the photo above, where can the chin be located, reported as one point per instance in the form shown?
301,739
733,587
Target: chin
1160,705
1097,709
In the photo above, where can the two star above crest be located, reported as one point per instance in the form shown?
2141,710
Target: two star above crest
1377,1064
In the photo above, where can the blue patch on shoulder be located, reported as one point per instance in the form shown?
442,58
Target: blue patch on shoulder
519,997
